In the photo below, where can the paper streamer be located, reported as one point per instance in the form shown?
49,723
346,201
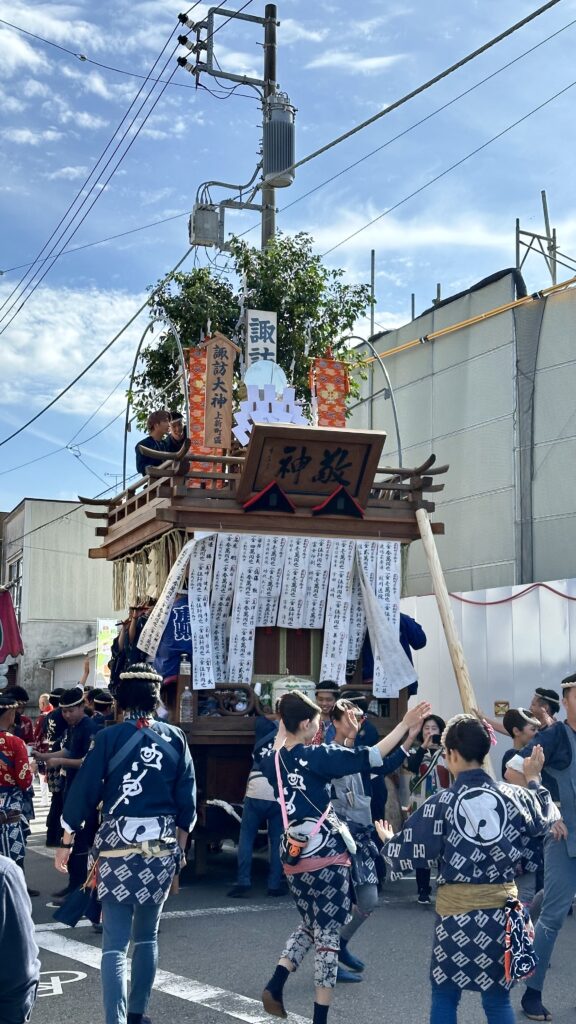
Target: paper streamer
225,563
319,561
244,611
199,580
272,571
291,607
392,669
337,622
151,635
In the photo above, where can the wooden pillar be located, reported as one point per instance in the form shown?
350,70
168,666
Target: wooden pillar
464,683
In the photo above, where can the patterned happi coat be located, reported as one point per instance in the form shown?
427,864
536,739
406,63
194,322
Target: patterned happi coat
142,773
15,778
478,831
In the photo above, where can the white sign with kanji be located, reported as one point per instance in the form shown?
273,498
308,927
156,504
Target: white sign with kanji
261,336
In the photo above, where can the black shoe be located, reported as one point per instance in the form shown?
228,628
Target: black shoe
348,976
283,891
533,1007
33,892
97,928
424,900
239,891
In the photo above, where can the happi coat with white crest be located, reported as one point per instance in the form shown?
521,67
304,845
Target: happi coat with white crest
478,831
142,773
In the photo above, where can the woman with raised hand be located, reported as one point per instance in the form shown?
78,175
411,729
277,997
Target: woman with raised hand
476,830
316,845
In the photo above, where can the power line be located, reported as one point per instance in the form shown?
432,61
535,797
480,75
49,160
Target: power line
426,85
98,162
92,363
447,170
28,287
31,287
88,60
71,511
100,241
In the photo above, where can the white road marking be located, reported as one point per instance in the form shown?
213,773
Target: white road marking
230,1003
253,908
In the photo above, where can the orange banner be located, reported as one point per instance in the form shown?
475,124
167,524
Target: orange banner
330,380
197,394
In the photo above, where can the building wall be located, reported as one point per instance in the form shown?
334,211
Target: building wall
63,591
554,485
457,397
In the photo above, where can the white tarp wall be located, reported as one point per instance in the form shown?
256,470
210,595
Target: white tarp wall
510,648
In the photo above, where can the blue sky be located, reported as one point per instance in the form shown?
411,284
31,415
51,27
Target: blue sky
340,63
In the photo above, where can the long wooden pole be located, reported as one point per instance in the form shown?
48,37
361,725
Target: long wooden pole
465,688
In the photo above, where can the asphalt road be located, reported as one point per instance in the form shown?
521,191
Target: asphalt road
216,953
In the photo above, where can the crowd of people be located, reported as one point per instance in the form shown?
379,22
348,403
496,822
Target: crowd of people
122,807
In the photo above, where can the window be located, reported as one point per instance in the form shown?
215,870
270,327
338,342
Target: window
15,583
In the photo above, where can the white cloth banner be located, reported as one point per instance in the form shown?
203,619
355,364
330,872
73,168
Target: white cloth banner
367,553
244,611
392,669
291,608
388,580
317,583
151,635
272,571
225,563
199,581
337,622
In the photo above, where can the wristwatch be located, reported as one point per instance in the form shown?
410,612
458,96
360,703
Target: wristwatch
66,846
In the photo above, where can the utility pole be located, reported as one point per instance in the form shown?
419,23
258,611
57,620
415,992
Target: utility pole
206,225
268,192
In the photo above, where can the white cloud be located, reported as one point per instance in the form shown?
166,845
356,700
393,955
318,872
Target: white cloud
28,137
57,333
352,63
68,174
392,234
33,88
10,104
93,83
292,31
15,53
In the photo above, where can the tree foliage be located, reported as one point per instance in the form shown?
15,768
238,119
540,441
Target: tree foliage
315,308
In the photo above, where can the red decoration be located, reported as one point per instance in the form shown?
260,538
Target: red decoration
10,640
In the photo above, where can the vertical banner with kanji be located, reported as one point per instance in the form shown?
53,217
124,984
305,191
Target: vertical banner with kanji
330,387
292,597
261,336
338,606
317,584
271,574
244,610
223,579
199,581
220,356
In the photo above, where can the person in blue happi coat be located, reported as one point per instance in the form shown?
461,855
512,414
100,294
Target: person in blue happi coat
142,773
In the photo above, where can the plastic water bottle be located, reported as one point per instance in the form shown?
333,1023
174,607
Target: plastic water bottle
186,700
186,706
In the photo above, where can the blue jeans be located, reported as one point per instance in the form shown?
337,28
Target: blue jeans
495,1001
254,814
559,889
122,921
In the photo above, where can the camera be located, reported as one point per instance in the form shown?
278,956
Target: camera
436,739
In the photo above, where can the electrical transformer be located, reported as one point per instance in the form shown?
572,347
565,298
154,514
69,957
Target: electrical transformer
279,141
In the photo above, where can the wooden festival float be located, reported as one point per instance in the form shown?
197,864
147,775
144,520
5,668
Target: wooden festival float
292,549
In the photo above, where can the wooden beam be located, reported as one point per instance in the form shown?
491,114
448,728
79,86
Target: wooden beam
96,515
